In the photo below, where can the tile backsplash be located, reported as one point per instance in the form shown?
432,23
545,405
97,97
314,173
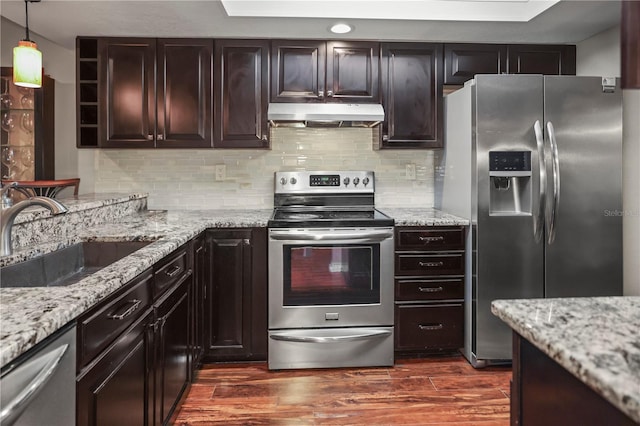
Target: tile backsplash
186,178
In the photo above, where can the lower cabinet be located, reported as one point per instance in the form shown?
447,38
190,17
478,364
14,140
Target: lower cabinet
171,349
197,299
133,361
236,295
113,390
429,289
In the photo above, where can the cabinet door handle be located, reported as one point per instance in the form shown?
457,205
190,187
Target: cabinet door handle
430,289
428,240
329,93
385,137
430,327
131,307
149,137
430,264
265,138
174,271
160,137
320,93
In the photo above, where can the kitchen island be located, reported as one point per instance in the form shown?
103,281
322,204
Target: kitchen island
575,361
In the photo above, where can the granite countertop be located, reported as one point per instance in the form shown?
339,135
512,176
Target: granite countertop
29,315
597,339
412,216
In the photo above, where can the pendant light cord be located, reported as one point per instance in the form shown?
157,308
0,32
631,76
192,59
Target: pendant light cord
26,14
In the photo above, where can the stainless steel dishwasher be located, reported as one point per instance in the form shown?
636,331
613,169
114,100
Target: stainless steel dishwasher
39,387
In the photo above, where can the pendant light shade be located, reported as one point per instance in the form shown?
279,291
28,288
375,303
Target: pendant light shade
27,59
27,64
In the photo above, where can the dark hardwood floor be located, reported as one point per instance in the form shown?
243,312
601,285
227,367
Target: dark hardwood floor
429,391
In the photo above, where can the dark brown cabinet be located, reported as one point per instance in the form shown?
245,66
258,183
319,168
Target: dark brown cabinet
133,348
197,300
463,61
543,392
412,75
319,71
114,356
541,59
429,289
241,94
236,302
151,93
113,390
171,344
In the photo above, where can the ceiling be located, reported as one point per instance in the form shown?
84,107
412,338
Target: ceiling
568,21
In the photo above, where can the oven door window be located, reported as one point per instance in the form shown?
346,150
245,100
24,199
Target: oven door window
331,274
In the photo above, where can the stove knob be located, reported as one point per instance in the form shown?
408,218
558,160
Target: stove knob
293,181
283,181
356,181
365,181
346,181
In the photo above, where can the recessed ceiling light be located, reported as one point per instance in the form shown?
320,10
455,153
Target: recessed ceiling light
341,28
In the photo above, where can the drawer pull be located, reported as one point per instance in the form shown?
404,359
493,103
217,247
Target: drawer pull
430,327
132,306
174,271
430,289
428,240
431,264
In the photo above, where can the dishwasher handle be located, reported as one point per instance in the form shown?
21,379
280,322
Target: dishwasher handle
16,406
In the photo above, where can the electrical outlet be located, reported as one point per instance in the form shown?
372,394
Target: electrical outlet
410,171
221,172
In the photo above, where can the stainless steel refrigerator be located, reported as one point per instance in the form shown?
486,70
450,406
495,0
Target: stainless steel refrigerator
535,163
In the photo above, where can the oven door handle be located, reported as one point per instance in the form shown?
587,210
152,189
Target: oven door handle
348,337
317,236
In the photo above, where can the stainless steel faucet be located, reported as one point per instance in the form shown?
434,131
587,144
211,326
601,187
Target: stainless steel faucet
9,214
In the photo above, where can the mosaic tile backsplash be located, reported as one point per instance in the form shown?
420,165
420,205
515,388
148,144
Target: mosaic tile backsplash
185,178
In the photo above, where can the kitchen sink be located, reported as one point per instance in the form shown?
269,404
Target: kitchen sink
67,266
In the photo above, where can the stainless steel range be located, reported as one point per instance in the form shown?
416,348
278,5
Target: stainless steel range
330,272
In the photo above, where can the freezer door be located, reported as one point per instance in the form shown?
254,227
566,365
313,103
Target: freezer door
584,204
508,261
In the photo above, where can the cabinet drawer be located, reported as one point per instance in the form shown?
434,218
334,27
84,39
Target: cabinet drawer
424,239
429,327
419,264
102,325
169,273
429,289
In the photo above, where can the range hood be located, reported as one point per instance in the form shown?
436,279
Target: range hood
324,115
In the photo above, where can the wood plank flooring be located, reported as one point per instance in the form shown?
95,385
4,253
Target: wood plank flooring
429,391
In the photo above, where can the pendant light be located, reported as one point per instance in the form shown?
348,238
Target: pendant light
27,59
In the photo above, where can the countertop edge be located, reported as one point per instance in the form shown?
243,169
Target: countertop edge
578,365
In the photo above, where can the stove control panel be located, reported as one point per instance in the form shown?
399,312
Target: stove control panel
361,182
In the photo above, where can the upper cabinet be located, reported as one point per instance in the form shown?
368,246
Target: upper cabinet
318,71
183,93
412,95
126,87
463,61
541,59
150,93
241,94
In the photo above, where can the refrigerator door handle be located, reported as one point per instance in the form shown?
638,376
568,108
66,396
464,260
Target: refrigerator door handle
538,218
556,183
